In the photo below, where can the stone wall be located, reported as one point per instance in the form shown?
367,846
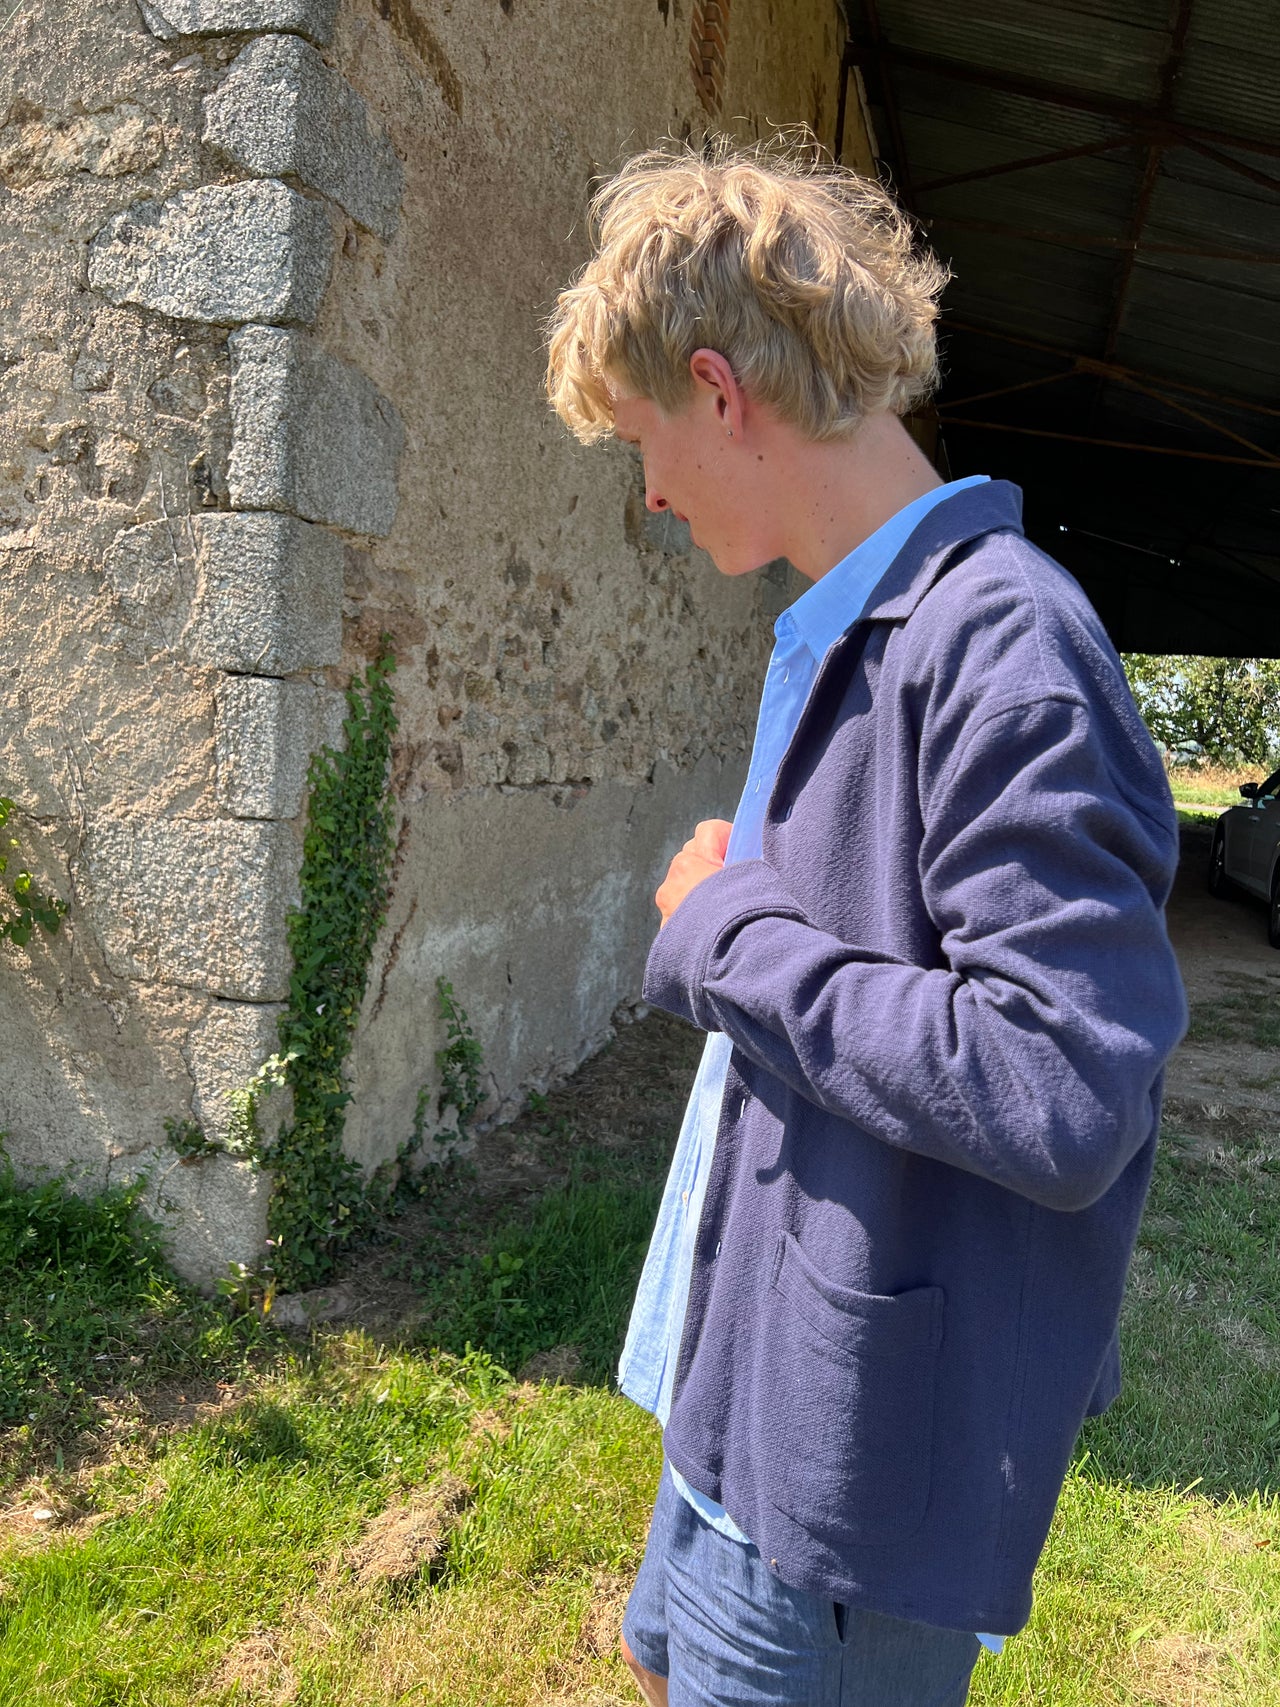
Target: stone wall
271,280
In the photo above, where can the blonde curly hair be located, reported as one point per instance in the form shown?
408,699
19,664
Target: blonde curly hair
803,275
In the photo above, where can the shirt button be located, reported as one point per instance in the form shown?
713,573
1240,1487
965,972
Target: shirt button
684,1197
785,813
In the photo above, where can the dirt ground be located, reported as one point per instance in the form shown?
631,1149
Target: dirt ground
1229,1064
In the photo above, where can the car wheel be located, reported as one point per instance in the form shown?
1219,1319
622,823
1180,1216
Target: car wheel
1273,913
1219,882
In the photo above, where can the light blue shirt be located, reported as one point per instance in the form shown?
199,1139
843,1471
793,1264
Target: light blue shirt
803,634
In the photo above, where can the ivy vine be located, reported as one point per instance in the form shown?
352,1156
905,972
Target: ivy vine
319,1197
23,907
459,1062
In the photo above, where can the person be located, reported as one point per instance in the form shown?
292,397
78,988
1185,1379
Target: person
928,952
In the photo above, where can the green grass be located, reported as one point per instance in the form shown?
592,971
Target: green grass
213,1568
1247,1015
241,1526
1203,794
1202,1327
89,1302
1210,785
1196,816
565,1274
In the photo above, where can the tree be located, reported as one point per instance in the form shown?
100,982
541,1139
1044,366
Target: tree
1225,710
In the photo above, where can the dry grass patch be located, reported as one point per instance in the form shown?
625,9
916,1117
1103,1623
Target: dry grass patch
406,1540
600,1635
1180,1671
560,1363
256,1669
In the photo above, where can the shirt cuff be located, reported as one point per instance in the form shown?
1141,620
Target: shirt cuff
683,949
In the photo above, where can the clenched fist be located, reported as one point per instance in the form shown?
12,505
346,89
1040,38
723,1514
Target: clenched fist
701,855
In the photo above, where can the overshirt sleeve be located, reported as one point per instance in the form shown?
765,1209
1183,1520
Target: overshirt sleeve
1030,1055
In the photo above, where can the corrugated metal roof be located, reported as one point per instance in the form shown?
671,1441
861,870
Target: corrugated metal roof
1133,257
1102,49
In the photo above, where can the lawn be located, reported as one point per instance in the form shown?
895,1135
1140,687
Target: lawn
1207,786
401,1518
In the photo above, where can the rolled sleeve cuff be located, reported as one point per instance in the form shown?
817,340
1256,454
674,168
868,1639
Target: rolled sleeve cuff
676,973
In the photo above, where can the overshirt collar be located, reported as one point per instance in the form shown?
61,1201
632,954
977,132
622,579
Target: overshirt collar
993,507
824,611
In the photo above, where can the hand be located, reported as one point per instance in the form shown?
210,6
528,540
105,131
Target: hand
700,856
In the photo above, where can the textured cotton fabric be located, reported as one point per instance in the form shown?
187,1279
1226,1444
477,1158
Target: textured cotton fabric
950,996
802,634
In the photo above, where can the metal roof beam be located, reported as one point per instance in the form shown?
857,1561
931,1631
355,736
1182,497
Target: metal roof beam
1250,172
1096,240
1169,70
1112,370
947,420
1148,121
880,46
1085,148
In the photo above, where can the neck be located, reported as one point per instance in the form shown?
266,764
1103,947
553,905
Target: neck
833,496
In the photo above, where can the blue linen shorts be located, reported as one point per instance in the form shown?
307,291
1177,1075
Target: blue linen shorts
709,1615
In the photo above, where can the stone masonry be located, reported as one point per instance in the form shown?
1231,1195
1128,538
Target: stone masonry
272,274
242,598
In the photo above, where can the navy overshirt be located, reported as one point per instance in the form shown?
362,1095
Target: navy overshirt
950,996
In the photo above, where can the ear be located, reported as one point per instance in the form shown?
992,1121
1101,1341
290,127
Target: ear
718,385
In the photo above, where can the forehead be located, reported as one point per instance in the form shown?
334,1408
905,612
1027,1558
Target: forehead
633,416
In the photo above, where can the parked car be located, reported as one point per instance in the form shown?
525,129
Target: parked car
1246,849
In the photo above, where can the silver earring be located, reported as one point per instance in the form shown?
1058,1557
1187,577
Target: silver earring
730,432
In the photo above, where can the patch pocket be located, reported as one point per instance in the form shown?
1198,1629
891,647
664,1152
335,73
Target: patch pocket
844,1395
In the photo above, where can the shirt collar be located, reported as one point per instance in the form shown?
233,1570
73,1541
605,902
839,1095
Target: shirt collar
825,610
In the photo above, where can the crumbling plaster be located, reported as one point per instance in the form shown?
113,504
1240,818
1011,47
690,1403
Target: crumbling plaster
576,684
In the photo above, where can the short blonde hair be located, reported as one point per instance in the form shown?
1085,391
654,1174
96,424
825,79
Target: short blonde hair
803,275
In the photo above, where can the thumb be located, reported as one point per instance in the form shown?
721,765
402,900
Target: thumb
711,839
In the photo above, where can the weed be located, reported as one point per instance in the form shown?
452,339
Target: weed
1249,1015
26,906
459,1062
318,1199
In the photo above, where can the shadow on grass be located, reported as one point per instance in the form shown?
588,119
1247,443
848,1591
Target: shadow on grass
1200,1332
1201,1324
561,1276
259,1433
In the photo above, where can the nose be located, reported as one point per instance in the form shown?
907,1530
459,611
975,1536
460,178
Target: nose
653,499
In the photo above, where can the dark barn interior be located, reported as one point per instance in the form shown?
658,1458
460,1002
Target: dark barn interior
1104,180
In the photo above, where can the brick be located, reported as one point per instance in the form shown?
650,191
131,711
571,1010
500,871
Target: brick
265,732
169,19
270,595
200,903
224,1052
